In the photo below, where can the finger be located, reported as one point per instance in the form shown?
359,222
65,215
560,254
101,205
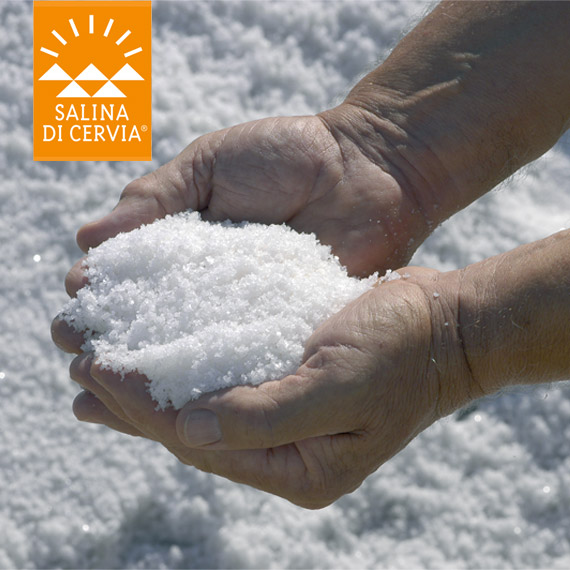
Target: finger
312,473
80,372
144,200
65,336
130,393
130,213
314,402
88,408
76,278
139,415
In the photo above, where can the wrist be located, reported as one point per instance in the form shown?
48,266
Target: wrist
381,139
397,134
449,361
389,215
426,158
447,369
514,310
462,112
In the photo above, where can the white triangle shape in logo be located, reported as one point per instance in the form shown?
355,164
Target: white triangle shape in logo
73,90
126,73
109,90
55,73
90,73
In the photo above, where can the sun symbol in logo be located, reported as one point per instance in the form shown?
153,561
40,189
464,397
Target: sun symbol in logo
86,81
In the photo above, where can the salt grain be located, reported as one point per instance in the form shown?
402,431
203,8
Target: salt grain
390,275
198,306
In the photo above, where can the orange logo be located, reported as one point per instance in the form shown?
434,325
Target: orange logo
92,80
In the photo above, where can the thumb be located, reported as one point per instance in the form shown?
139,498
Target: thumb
297,407
130,213
142,201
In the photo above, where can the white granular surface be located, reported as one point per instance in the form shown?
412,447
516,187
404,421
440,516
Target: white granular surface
198,306
466,494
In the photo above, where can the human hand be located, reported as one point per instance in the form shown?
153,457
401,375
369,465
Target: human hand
373,376
316,173
297,170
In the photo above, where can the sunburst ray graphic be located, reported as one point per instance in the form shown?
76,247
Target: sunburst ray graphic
91,27
91,73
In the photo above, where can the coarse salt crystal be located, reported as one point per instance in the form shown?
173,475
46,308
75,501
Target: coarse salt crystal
198,306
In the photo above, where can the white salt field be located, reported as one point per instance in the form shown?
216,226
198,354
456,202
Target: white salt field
485,488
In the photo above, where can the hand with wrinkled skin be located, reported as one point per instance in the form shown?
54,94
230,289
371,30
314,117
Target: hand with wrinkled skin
291,170
294,170
367,385
373,376
446,117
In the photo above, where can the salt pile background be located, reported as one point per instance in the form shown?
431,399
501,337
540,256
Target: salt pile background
198,306
489,488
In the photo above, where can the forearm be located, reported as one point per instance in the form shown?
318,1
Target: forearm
474,92
514,315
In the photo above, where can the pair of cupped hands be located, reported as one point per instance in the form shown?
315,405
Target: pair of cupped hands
372,377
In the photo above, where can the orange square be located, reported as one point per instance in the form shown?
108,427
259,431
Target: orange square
92,80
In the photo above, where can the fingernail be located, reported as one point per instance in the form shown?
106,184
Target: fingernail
201,427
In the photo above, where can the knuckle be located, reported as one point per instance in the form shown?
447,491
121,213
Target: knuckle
140,187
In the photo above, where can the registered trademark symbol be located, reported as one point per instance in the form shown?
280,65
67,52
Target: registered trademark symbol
144,128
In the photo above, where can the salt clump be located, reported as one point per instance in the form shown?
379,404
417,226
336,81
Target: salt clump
198,306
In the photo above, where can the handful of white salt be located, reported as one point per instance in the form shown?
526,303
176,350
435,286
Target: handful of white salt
198,306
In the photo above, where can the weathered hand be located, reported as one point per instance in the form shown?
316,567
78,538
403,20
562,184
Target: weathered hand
373,376
368,383
292,170
296,170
